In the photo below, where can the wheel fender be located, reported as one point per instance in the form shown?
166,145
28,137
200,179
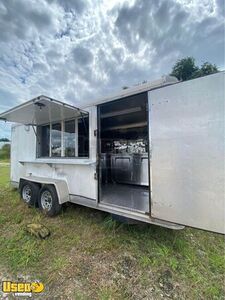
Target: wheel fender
61,186
62,191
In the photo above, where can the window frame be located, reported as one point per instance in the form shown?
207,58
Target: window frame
62,156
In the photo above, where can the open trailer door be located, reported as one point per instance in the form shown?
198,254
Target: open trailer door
187,153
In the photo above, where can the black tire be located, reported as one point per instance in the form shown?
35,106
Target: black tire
29,192
48,201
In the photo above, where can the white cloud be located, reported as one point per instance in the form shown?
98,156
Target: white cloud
79,50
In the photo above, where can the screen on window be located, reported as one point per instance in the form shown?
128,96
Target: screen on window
69,138
56,139
59,139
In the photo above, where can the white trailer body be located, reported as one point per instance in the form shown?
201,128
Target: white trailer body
180,180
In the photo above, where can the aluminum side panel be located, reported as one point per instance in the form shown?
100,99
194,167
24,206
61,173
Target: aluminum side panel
187,155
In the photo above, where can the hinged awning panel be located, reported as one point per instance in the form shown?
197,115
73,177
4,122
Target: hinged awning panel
41,110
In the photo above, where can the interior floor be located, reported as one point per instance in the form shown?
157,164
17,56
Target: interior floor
125,195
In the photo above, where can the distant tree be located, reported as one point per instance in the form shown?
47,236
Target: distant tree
185,69
4,140
5,152
207,69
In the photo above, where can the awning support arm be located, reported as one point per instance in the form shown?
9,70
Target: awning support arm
35,132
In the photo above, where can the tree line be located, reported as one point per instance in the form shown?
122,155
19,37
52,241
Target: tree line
186,69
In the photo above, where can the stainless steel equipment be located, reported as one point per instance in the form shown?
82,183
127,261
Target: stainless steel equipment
140,169
130,168
105,168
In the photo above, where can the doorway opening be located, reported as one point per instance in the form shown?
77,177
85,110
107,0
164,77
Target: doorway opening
123,151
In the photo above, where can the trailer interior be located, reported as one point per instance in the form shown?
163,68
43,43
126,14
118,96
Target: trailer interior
123,152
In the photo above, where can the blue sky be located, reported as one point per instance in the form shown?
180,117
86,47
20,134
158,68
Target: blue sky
76,51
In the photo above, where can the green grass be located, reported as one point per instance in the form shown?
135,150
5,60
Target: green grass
90,256
5,160
4,173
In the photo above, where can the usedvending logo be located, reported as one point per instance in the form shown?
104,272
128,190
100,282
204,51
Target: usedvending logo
22,288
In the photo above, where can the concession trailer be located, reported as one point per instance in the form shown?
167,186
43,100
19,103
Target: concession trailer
153,153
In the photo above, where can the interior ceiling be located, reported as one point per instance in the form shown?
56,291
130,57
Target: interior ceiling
125,103
124,115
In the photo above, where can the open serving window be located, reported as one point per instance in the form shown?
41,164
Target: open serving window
41,110
62,130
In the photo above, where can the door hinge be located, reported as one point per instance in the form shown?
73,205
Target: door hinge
96,176
95,132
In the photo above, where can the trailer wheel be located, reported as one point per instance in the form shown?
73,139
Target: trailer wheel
29,192
48,201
